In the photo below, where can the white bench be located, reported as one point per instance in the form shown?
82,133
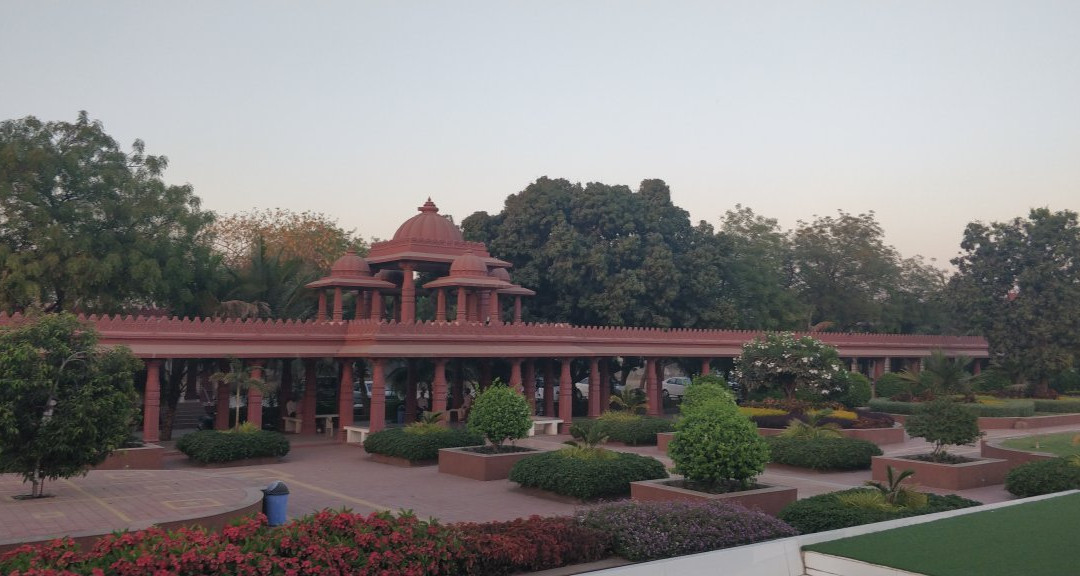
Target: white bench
355,434
546,426
291,424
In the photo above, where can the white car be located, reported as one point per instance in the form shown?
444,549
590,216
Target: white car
675,387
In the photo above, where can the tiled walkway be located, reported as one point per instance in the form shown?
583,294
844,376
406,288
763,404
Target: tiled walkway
321,475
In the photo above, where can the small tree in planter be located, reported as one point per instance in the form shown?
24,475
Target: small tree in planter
944,423
500,414
715,446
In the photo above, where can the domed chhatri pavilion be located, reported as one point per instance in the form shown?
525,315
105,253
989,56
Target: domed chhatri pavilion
471,322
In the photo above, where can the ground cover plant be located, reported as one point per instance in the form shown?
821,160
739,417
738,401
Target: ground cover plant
1062,444
418,443
1027,539
835,453
629,428
1044,477
214,446
652,530
840,509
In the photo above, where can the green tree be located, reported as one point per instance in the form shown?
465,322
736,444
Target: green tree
942,375
500,414
779,360
1018,284
943,423
239,378
715,445
86,225
64,404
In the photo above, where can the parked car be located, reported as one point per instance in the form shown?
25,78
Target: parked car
675,387
583,386
358,400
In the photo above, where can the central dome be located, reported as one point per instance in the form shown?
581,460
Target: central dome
428,225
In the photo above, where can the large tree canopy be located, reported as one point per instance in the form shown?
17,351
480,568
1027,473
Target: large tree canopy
1018,284
85,225
603,254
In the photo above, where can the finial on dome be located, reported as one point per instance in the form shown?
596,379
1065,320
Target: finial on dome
429,206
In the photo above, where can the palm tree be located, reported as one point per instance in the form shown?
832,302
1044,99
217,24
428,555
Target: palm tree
942,375
630,400
240,378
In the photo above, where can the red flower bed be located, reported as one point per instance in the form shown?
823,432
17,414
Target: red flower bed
531,544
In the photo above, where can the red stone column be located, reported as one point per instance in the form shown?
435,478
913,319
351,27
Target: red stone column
410,391
345,399
605,386
705,366
364,305
408,294
461,314
440,305
515,374
594,387
438,388
321,314
376,306
517,309
339,307
566,402
495,312
377,420
529,377
255,396
660,385
976,367
549,389
307,408
152,402
458,389
285,393
654,408
221,416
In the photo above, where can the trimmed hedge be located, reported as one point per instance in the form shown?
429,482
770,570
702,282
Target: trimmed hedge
416,446
630,430
826,512
1043,477
823,453
1011,408
215,446
653,530
586,478
1065,406
889,385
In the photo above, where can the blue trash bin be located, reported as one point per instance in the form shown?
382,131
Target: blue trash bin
401,413
275,502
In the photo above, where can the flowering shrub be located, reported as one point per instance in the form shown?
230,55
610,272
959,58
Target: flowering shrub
653,530
779,360
531,544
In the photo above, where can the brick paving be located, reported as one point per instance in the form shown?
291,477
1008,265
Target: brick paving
321,474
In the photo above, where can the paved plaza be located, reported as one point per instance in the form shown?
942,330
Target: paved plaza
323,474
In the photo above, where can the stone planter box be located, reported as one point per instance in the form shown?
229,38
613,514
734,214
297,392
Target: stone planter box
879,436
146,457
769,499
401,462
468,464
663,439
981,472
993,449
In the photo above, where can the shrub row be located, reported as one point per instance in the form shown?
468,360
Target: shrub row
215,446
602,476
827,512
653,530
631,430
823,453
1043,477
1008,409
1064,406
417,444
327,542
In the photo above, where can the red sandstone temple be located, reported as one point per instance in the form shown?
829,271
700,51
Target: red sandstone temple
469,323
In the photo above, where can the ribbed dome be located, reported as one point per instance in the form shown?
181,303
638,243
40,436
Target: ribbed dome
500,274
428,225
468,264
350,265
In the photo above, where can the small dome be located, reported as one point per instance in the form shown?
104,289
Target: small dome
500,274
468,264
428,225
350,265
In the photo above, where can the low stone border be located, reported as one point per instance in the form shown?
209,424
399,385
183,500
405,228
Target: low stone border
146,457
769,499
981,472
994,449
401,462
468,464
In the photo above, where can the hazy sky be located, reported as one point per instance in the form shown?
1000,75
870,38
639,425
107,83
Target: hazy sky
932,114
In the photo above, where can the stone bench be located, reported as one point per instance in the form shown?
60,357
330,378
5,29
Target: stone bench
291,424
546,426
355,434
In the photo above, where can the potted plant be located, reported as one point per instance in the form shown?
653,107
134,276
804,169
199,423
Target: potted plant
719,453
943,422
501,415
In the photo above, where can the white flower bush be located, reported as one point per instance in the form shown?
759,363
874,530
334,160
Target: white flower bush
780,360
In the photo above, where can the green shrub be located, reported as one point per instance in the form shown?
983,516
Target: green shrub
827,512
823,453
1043,477
992,381
893,406
500,414
214,446
607,476
1066,381
890,385
858,391
419,444
716,444
1058,406
944,423
1009,408
630,429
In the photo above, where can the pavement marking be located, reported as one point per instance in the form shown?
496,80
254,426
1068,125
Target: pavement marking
99,501
48,515
326,492
191,503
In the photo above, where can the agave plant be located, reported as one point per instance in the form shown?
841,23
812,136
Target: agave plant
896,493
587,443
630,400
813,427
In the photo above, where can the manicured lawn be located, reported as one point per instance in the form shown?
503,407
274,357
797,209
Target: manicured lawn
1031,539
1060,444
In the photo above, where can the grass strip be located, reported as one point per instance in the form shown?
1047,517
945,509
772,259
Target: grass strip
1062,444
1031,539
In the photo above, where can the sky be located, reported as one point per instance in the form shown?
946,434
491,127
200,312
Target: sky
932,114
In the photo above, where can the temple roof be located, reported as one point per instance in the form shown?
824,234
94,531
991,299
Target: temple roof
429,241
470,271
351,271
